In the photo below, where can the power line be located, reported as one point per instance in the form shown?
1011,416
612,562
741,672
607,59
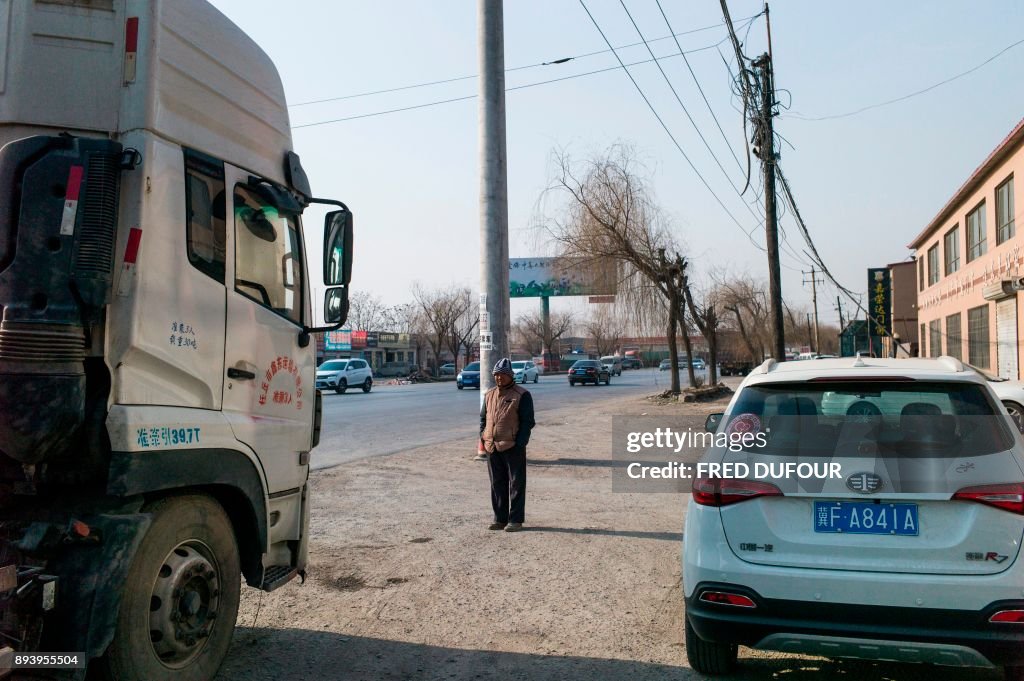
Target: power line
708,104
912,94
683,106
553,62
517,87
665,127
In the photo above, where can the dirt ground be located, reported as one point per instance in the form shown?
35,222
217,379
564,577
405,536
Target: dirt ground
407,582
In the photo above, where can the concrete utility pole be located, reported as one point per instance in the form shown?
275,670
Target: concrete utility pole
493,192
814,298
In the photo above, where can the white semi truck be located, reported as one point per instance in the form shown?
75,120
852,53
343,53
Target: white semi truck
157,393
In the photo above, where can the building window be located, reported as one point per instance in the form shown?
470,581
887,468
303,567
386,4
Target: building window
920,273
933,265
1004,211
977,244
977,336
935,337
924,342
951,250
954,346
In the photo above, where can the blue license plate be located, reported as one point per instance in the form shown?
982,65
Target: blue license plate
865,517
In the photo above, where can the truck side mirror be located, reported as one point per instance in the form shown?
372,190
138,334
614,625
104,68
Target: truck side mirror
712,422
337,248
336,305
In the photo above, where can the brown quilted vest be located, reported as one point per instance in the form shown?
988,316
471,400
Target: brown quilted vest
502,417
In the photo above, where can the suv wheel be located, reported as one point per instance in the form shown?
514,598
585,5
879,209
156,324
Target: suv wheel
713,659
342,387
367,384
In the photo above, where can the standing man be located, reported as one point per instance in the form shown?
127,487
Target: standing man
506,420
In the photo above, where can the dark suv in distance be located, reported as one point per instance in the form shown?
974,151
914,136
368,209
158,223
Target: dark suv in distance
589,371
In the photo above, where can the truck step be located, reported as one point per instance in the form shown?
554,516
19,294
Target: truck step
277,576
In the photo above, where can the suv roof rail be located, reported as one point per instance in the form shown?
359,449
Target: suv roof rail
766,366
952,363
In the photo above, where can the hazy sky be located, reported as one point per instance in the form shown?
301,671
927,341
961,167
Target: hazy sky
865,184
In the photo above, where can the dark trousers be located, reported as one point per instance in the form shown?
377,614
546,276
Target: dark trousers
508,484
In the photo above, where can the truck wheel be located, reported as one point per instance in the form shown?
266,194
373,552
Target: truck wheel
342,387
180,598
705,657
367,384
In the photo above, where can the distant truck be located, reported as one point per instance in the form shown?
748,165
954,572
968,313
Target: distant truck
157,399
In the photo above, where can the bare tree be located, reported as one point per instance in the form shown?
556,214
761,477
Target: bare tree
605,329
409,318
704,313
366,312
746,300
440,311
532,327
612,218
464,320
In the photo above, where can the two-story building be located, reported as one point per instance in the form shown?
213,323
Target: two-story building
967,259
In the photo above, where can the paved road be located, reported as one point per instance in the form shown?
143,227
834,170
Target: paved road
392,419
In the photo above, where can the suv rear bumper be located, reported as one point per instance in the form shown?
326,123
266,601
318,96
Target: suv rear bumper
875,632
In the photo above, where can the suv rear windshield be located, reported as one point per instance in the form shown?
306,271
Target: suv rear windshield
901,418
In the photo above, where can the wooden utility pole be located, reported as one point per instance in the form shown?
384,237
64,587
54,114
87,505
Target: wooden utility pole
814,299
766,152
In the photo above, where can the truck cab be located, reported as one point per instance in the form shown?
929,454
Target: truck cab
158,291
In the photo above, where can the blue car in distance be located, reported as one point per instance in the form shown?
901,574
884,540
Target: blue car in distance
469,377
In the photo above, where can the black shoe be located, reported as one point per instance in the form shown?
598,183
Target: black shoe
496,526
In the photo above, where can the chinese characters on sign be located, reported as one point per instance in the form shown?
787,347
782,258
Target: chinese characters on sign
546,277
880,301
338,340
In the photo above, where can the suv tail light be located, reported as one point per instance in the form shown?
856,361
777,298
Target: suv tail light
726,598
1008,617
725,491
1008,496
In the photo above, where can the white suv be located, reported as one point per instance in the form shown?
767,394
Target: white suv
900,544
341,374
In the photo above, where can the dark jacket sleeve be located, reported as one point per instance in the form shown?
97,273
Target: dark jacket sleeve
526,422
483,417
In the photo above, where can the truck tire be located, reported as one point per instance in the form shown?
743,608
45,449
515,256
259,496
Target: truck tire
181,596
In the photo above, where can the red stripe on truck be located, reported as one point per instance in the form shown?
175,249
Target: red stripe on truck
131,251
131,34
74,183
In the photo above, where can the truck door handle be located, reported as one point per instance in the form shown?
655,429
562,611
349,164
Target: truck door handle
240,373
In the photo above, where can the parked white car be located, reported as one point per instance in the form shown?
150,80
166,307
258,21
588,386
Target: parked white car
1010,393
910,553
341,374
525,372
